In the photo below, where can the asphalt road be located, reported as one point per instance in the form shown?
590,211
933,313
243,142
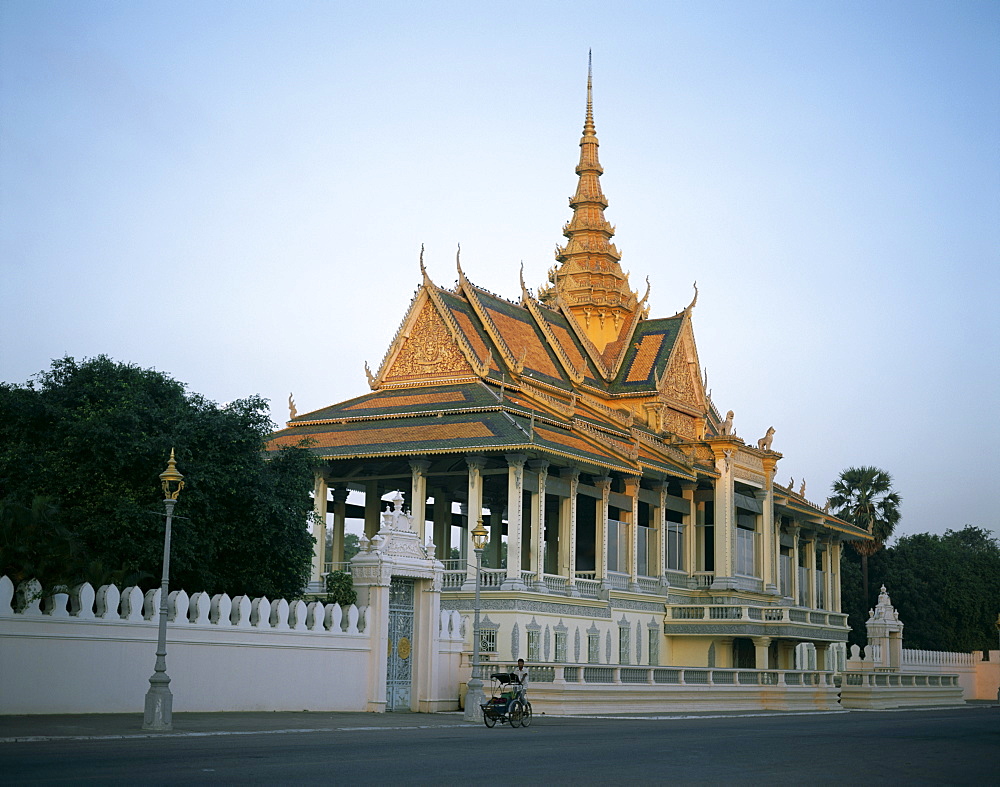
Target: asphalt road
959,746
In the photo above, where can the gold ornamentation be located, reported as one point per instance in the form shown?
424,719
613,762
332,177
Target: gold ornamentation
429,350
403,648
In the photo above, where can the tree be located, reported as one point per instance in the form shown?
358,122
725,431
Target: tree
945,588
94,436
864,497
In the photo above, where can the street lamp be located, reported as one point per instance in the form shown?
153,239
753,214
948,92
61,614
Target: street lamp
159,700
474,691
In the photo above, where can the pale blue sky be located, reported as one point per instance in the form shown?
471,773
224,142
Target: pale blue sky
235,193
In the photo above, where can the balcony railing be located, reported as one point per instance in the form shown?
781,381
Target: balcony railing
674,676
747,613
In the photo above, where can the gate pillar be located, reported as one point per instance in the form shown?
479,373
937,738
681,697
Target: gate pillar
396,552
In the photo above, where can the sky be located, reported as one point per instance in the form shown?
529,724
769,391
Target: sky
235,193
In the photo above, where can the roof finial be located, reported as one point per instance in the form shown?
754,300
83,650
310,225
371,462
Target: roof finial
423,270
588,125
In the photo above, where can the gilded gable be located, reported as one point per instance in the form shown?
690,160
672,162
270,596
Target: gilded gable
428,351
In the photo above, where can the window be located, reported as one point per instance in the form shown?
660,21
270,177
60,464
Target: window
654,647
675,544
624,642
534,641
617,545
593,647
561,646
786,573
745,545
487,640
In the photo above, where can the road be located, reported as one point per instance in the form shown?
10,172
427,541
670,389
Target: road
960,746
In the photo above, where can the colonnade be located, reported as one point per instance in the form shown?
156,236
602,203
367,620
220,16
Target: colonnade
527,498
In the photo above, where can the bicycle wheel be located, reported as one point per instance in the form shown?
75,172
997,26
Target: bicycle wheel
516,713
526,716
489,719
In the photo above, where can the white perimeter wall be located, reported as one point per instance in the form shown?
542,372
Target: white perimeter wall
222,655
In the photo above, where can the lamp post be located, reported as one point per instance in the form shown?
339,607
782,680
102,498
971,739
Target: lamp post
159,701
474,692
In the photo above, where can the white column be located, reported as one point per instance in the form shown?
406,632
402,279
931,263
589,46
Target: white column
541,468
319,528
567,529
690,528
475,510
632,490
761,645
601,535
835,571
515,517
339,522
811,572
794,531
725,520
828,573
418,496
768,546
659,520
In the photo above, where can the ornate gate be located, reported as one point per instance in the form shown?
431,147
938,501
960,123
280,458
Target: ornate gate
399,675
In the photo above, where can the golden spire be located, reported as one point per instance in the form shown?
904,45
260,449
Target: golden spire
590,282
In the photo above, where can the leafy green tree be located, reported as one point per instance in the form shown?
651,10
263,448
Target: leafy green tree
864,497
945,588
95,435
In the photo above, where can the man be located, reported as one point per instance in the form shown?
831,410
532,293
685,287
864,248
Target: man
522,676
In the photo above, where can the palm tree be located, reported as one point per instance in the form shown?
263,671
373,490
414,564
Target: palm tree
864,497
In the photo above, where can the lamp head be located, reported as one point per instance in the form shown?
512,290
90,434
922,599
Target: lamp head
480,535
171,479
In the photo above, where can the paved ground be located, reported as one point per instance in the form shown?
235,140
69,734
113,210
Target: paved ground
936,746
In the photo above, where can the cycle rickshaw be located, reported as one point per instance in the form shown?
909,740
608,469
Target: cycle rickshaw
508,703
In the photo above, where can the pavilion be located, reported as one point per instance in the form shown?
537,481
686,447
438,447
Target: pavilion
629,524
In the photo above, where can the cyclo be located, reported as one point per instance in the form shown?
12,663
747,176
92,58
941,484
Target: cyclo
508,703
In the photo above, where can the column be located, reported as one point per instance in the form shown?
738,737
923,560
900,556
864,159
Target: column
442,525
835,574
690,527
515,516
724,653
632,491
769,547
760,645
541,468
373,508
794,531
475,510
811,572
601,536
823,661
339,522
319,528
772,527
828,574
567,529
418,496
725,520
659,520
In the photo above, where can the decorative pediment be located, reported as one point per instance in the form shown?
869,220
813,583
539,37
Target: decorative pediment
681,382
425,349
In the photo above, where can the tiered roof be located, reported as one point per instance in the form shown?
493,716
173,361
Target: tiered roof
579,373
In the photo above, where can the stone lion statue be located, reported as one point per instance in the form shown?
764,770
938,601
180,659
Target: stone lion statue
764,444
727,425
